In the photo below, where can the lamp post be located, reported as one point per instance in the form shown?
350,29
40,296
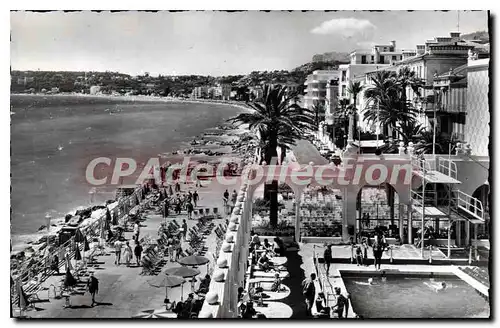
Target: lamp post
434,125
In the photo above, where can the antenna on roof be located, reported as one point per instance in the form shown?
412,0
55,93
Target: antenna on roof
458,20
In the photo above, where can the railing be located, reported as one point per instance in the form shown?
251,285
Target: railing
323,281
469,204
420,165
40,267
447,167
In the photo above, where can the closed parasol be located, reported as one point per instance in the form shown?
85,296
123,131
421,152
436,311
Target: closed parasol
86,246
78,255
193,260
79,236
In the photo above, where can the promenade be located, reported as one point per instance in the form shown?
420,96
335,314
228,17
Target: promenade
123,291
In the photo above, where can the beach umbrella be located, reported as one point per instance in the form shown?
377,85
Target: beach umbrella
79,236
193,260
108,214
78,255
86,246
154,314
171,281
23,299
183,272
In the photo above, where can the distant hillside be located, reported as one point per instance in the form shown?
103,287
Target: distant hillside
331,56
480,35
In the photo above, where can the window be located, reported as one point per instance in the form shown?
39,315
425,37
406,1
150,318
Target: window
343,76
363,59
343,90
394,57
381,60
372,58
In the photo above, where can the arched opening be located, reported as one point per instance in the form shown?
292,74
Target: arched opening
320,212
378,209
483,194
286,212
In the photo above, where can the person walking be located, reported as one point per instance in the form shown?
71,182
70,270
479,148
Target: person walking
226,197
309,292
118,251
327,256
166,205
195,198
127,253
93,287
138,252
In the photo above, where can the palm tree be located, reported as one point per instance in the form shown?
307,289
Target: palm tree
276,116
383,86
354,89
444,143
342,115
318,109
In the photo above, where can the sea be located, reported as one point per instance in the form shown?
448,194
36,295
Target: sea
54,138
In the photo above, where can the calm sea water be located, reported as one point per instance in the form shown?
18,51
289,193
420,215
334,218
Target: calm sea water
411,298
53,138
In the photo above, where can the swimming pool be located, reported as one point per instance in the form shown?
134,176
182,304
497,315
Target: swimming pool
407,296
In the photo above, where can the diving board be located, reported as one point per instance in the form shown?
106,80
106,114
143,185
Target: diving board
430,211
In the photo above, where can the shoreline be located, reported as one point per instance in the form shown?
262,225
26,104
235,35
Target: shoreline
31,244
234,103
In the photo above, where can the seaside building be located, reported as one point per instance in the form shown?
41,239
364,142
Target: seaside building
95,89
316,87
200,92
442,59
363,61
226,91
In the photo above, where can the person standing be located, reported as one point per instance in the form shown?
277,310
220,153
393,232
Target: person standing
184,229
93,287
378,249
165,208
195,198
234,196
309,292
127,253
189,209
118,251
342,303
137,231
226,197
327,256
138,252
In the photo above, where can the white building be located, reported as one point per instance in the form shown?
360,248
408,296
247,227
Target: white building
316,87
95,89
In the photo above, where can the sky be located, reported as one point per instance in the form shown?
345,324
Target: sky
214,43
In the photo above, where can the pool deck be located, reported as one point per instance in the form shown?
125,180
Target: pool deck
123,292
334,279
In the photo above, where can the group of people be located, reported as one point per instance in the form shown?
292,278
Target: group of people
339,310
128,253
187,201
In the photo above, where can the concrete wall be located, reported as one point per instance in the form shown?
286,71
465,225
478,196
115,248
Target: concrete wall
477,121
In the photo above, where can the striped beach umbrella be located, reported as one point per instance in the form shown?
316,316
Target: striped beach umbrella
155,314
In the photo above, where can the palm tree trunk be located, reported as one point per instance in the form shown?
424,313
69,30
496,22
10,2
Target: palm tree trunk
271,189
283,154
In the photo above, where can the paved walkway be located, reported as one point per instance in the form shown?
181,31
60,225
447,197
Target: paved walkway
123,292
